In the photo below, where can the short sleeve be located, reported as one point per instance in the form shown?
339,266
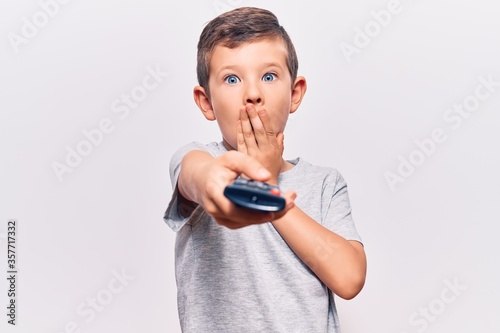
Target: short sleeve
336,210
172,216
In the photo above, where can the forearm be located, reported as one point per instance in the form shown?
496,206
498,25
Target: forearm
339,263
191,178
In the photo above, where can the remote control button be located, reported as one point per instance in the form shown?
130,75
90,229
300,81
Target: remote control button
261,185
275,191
241,181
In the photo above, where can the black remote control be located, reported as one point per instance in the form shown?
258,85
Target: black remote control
255,195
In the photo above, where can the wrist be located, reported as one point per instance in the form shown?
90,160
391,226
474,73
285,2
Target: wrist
285,220
274,177
273,181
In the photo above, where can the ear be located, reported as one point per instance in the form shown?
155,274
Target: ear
298,91
203,101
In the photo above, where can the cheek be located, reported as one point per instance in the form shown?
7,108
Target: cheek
280,120
227,122
228,128
281,109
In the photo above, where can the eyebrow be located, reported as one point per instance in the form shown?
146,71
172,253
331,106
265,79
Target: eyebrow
265,65
272,64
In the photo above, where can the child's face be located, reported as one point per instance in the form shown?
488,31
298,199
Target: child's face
255,73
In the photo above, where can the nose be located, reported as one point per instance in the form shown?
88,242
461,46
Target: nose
253,94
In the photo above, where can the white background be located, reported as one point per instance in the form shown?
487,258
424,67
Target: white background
362,114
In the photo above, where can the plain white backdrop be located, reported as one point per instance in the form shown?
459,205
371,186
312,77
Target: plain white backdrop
96,96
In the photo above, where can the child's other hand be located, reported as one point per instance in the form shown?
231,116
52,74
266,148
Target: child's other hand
256,137
221,172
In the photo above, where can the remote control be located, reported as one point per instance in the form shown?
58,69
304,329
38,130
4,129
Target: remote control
255,195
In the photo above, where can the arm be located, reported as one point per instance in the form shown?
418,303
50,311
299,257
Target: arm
339,263
202,180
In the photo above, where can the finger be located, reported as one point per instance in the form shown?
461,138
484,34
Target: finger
229,213
258,127
240,139
247,216
247,129
281,142
266,122
290,197
241,163
271,140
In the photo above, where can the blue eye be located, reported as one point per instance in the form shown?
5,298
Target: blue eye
232,79
269,77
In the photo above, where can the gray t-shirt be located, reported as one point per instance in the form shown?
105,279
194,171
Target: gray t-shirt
249,280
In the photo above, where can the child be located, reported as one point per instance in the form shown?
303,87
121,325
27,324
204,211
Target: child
244,271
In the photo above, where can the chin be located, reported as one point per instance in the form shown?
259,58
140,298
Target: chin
229,144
